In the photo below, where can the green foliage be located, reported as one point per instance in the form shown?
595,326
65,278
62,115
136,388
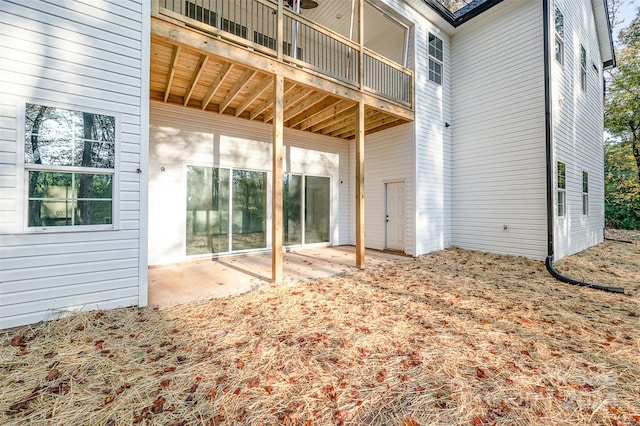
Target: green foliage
622,189
622,121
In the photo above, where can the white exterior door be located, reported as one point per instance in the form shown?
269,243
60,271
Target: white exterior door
395,216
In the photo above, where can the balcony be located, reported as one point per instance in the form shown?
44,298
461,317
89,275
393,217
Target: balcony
221,56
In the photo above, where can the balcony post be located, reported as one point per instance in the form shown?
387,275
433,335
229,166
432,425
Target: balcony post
360,44
280,30
155,7
276,179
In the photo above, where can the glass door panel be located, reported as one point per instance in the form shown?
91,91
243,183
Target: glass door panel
317,209
249,210
291,209
207,210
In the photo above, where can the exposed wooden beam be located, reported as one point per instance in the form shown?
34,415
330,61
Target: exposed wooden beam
258,91
224,71
360,261
371,124
332,110
172,71
268,102
346,121
276,180
313,111
388,125
290,101
349,127
341,118
176,34
306,103
248,74
196,76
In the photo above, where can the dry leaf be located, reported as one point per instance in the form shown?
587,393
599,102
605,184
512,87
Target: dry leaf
53,374
481,374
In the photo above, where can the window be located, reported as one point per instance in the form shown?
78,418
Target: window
583,68
70,167
562,186
435,59
585,193
559,41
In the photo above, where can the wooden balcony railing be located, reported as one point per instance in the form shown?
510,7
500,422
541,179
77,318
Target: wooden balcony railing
257,23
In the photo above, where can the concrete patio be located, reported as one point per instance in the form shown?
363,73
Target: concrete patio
231,275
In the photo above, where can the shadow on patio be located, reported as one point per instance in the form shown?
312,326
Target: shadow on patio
226,276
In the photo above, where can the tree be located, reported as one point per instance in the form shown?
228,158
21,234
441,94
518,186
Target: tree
613,9
622,121
622,107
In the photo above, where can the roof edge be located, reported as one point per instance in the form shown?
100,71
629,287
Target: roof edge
456,21
612,62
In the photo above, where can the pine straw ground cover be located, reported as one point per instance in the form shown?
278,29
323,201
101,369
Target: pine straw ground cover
455,337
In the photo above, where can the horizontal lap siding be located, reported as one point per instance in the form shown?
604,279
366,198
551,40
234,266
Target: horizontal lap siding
431,146
577,131
76,55
183,136
498,149
388,158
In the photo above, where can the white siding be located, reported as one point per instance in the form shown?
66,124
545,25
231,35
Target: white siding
388,158
428,203
577,130
76,55
497,124
181,136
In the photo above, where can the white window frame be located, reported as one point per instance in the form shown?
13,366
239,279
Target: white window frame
585,193
559,36
24,168
433,59
561,189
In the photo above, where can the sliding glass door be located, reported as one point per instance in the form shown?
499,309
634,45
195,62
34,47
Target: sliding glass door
312,193
227,210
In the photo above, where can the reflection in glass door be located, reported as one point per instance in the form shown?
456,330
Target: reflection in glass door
207,210
291,211
317,213
249,210
227,210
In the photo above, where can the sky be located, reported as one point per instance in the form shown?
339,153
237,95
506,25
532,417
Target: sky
627,13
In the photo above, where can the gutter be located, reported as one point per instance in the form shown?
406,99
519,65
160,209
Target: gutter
549,157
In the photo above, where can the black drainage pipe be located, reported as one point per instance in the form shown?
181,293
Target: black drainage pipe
550,165
560,277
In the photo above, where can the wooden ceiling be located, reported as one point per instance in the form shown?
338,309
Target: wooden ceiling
195,78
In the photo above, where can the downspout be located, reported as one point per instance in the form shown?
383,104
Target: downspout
550,165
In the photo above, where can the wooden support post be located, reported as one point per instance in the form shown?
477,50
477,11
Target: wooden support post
360,186
276,179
